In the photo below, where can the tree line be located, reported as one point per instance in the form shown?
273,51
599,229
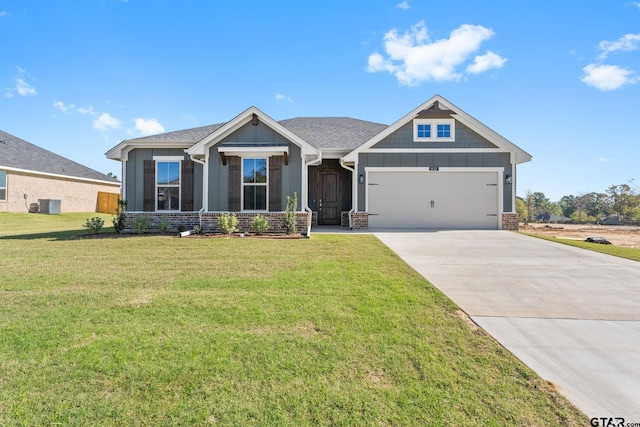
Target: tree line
619,204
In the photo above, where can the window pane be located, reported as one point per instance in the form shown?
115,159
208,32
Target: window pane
255,197
168,198
444,131
168,173
424,131
3,179
254,171
3,194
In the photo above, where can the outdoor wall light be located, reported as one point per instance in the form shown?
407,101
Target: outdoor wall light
361,179
507,179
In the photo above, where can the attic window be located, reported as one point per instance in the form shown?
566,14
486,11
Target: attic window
433,130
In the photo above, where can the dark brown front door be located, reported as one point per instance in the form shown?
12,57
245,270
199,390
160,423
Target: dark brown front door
328,200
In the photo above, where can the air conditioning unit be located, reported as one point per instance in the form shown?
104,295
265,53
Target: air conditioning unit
49,206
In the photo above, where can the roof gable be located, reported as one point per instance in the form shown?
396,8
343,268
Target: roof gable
438,105
252,113
18,154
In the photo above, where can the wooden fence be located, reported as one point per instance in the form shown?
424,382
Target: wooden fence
107,202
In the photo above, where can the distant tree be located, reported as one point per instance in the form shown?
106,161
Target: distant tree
521,208
112,175
568,205
622,199
597,205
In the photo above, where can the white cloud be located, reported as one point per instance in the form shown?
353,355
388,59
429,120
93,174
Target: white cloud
413,58
604,160
486,62
66,109
148,126
404,5
21,86
105,122
637,5
3,13
280,98
607,77
627,43
87,111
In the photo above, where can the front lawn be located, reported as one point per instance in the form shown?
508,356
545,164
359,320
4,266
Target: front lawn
619,251
156,330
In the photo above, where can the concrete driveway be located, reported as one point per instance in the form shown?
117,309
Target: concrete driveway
571,315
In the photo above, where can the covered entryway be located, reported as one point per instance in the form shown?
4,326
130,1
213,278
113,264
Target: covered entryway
442,199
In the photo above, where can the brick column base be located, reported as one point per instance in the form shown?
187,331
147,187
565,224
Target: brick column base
510,221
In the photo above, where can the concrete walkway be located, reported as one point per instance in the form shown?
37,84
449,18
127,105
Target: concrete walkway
571,315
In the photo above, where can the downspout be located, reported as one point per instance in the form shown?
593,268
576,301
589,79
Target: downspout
314,162
354,193
205,187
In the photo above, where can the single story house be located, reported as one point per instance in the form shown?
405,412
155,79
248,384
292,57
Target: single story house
436,167
29,174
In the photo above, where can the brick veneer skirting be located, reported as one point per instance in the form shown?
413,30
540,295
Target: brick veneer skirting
188,220
510,221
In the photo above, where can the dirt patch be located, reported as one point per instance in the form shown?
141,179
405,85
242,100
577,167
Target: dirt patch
625,236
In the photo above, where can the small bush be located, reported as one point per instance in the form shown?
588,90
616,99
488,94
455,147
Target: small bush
118,220
290,214
94,225
164,225
141,224
228,223
260,224
197,229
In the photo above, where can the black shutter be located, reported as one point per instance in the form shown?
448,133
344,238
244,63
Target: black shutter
186,186
149,186
275,183
235,183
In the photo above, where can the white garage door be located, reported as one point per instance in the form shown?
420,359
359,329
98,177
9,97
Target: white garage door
438,199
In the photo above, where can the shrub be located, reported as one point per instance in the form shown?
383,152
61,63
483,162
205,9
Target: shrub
164,225
260,224
118,220
94,225
141,224
228,223
290,214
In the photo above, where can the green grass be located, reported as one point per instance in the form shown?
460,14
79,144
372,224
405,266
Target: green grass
619,251
155,330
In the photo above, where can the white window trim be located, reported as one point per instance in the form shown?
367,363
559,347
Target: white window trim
243,184
179,160
434,130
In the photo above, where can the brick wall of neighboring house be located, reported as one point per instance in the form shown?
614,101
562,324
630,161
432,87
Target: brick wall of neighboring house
74,195
510,221
188,220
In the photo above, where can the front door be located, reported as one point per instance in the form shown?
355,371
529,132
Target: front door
329,199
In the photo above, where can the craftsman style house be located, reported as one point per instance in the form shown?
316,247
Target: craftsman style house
436,167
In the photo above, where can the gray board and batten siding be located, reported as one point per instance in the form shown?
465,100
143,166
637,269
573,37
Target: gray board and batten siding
465,138
135,176
254,136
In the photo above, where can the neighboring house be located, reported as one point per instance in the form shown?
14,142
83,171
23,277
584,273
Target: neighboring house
436,167
29,173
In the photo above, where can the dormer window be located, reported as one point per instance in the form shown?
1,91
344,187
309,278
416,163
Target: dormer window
433,130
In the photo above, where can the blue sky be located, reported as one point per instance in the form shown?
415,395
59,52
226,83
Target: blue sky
561,79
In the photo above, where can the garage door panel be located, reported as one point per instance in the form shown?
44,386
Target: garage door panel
433,200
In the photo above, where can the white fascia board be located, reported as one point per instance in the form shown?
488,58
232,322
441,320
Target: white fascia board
501,142
333,154
231,126
56,175
254,151
435,150
121,151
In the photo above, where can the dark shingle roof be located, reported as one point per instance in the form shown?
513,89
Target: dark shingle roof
20,154
341,133
333,132
187,135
